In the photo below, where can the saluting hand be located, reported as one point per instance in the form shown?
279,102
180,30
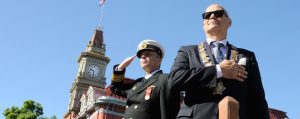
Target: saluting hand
126,63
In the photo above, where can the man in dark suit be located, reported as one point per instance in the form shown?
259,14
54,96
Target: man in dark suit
148,97
210,71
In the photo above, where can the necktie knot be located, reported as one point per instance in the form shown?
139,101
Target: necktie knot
219,45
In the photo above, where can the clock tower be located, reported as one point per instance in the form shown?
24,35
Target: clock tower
91,71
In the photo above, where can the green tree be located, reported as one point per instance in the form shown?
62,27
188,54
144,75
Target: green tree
29,110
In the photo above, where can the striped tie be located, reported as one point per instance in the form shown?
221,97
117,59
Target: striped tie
219,54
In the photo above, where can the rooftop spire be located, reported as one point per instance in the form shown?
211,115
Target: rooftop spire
97,39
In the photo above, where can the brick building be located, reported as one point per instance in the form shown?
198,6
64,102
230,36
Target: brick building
277,114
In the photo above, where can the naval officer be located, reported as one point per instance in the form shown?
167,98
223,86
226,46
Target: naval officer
148,97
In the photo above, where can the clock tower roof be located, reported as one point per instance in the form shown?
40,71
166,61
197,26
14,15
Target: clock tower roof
97,39
96,44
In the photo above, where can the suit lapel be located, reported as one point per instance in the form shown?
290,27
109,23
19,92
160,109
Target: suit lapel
229,47
145,84
209,52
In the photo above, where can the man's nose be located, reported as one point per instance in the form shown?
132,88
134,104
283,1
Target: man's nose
143,56
212,16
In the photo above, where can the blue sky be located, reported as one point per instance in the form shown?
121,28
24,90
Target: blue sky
40,41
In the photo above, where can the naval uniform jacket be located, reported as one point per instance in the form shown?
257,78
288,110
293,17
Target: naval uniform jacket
160,104
190,75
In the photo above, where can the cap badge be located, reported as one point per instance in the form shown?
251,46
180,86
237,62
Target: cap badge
143,46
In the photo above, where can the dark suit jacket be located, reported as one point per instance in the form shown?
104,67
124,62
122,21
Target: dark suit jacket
190,75
160,105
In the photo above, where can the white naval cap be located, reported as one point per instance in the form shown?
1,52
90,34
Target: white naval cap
150,44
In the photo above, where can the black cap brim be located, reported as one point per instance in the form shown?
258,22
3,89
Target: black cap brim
138,54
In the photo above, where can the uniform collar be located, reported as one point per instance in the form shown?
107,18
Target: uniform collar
149,75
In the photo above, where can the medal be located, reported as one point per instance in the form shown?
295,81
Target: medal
148,92
219,89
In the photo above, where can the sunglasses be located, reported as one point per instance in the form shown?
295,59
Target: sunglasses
218,14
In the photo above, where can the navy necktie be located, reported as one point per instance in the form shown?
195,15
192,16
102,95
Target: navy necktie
219,55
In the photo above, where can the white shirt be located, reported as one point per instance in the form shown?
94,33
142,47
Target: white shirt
149,75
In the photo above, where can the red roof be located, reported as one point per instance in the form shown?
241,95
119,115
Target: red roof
277,114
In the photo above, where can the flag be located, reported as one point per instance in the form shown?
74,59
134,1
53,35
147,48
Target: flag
101,2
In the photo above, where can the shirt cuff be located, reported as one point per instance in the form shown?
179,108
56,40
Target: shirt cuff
219,71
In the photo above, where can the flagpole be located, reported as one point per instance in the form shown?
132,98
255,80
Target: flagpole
101,17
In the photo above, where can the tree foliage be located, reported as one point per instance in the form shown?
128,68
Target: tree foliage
29,110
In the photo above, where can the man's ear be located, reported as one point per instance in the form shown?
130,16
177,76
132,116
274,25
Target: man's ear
160,59
229,22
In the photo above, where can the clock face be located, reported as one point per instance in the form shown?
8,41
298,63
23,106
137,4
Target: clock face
94,71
